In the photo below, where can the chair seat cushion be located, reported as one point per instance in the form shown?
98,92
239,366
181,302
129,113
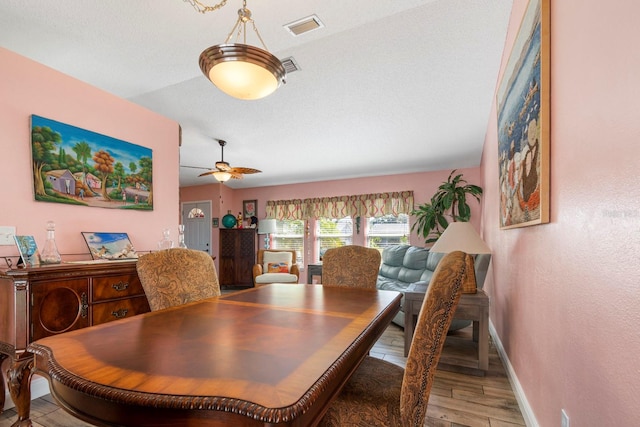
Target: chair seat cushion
370,398
277,278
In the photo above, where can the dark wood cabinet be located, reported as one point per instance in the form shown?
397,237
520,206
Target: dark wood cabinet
237,256
41,301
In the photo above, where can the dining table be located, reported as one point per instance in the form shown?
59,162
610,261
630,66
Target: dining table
275,355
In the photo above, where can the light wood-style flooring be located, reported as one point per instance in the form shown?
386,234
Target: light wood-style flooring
456,400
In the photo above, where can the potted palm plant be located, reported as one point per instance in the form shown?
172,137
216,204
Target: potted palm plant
448,203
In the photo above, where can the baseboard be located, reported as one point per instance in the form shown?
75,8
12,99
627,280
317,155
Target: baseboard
39,387
525,408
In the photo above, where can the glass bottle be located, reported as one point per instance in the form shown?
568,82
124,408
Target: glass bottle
181,243
50,254
166,242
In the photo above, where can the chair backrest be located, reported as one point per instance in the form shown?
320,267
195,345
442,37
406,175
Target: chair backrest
177,276
433,323
351,265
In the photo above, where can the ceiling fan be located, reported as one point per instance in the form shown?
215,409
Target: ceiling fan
223,171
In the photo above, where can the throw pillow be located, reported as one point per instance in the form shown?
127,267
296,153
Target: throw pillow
275,257
278,267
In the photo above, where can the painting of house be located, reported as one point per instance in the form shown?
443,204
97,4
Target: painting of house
62,181
90,179
76,166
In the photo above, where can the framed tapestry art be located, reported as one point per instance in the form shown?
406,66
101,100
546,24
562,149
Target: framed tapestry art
249,208
80,167
523,123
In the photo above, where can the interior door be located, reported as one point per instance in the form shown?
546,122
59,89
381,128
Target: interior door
196,217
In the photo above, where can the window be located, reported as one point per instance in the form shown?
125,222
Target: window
290,235
387,230
333,233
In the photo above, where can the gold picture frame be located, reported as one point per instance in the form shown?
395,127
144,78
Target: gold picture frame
523,123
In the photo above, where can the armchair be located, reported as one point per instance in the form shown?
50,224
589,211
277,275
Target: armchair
263,275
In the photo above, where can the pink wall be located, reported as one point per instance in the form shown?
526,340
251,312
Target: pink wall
565,295
422,184
26,88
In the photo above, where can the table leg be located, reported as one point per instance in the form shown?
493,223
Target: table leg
2,380
409,327
483,340
19,382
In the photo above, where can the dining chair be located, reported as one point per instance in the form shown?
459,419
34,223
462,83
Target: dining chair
177,276
380,393
351,265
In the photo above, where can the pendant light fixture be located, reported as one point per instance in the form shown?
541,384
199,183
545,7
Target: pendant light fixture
239,69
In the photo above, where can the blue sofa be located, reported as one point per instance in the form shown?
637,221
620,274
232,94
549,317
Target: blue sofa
403,265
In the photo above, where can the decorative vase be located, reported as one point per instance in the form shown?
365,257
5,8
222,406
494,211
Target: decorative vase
229,221
50,254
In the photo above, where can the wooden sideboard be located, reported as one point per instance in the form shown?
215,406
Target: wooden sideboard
237,256
41,301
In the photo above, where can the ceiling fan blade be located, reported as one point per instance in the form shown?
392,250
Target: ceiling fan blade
245,171
211,172
195,167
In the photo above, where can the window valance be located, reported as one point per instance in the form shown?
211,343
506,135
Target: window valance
361,205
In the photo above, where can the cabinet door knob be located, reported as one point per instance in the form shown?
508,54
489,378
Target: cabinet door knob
120,286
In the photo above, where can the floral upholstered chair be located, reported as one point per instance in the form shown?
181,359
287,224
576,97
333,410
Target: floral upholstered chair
177,276
275,266
351,265
383,394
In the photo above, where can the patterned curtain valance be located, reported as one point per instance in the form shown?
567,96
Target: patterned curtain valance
363,205
285,209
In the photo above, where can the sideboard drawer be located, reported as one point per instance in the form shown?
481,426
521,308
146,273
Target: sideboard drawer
113,310
113,287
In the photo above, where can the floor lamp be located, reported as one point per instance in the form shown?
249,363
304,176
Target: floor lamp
461,236
267,227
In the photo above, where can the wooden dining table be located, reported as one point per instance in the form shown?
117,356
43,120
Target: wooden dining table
274,355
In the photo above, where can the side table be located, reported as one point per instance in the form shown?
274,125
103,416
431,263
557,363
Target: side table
474,307
314,270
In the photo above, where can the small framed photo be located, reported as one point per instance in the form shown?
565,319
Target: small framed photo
28,250
215,222
249,208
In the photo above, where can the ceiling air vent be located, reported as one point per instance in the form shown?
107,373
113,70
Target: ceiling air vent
304,25
290,64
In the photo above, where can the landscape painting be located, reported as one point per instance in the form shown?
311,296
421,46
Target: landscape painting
80,167
523,123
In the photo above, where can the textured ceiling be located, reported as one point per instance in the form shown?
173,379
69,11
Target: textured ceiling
386,87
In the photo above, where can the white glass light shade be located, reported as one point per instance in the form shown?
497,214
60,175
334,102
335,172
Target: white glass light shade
242,71
267,226
460,236
222,176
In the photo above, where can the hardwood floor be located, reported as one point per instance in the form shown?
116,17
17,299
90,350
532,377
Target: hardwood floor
456,400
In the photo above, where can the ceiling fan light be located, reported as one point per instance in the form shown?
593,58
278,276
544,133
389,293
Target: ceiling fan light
242,71
222,176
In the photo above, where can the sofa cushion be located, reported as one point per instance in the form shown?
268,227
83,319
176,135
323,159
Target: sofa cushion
392,258
413,264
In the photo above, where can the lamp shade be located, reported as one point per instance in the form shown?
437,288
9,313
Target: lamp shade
222,176
267,226
460,236
242,71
